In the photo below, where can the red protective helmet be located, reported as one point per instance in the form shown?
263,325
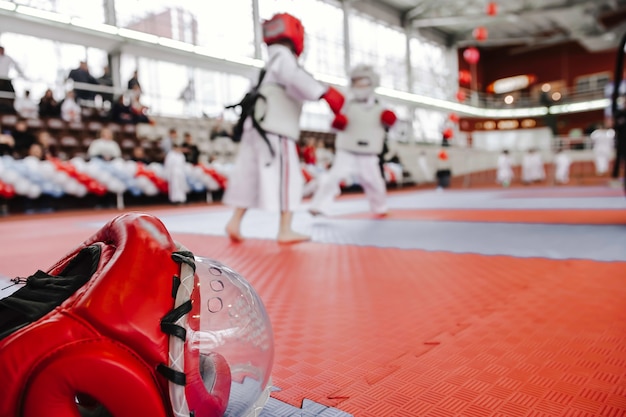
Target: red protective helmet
121,324
283,26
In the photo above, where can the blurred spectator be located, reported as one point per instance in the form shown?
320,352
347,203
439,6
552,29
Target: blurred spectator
45,140
137,109
6,85
26,106
444,171
105,147
82,75
48,106
422,162
190,149
70,110
603,145
37,151
323,156
120,111
6,143
23,139
139,155
532,167
167,142
134,82
504,173
220,129
308,151
561,167
174,167
106,80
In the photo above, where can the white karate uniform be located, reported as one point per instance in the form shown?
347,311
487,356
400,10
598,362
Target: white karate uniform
364,166
26,107
422,162
532,168
561,168
104,148
70,111
603,145
504,173
174,169
258,179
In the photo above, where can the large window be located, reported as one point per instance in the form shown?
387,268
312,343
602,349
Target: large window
379,45
46,64
428,125
210,91
87,9
430,69
224,28
323,26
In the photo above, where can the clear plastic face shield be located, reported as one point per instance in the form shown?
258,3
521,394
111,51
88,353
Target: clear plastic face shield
233,323
361,87
228,351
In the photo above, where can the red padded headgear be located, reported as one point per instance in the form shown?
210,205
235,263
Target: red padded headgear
106,343
283,26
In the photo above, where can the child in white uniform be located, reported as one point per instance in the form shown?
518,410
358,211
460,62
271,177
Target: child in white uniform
603,146
504,173
358,145
267,175
561,167
174,167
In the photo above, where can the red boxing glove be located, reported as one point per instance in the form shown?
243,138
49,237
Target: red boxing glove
340,122
334,99
388,118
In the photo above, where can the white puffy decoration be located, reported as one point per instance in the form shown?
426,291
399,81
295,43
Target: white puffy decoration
48,187
10,176
130,168
46,168
115,186
105,177
70,187
146,186
34,191
118,164
81,190
22,185
32,164
79,163
157,168
60,177
208,181
92,169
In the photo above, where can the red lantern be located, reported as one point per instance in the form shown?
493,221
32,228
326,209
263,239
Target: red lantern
448,133
471,55
492,8
460,95
465,77
454,118
480,33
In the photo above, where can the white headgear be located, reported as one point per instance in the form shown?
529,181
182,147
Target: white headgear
363,72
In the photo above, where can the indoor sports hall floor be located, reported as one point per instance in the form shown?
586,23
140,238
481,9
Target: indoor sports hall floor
503,302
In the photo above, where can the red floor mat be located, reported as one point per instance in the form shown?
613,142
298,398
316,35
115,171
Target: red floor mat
386,332
507,216
397,333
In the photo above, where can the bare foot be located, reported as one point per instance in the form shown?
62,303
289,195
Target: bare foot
232,230
292,237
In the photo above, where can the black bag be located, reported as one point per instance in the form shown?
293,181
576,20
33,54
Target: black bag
247,106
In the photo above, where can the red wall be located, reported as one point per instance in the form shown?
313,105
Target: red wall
560,62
